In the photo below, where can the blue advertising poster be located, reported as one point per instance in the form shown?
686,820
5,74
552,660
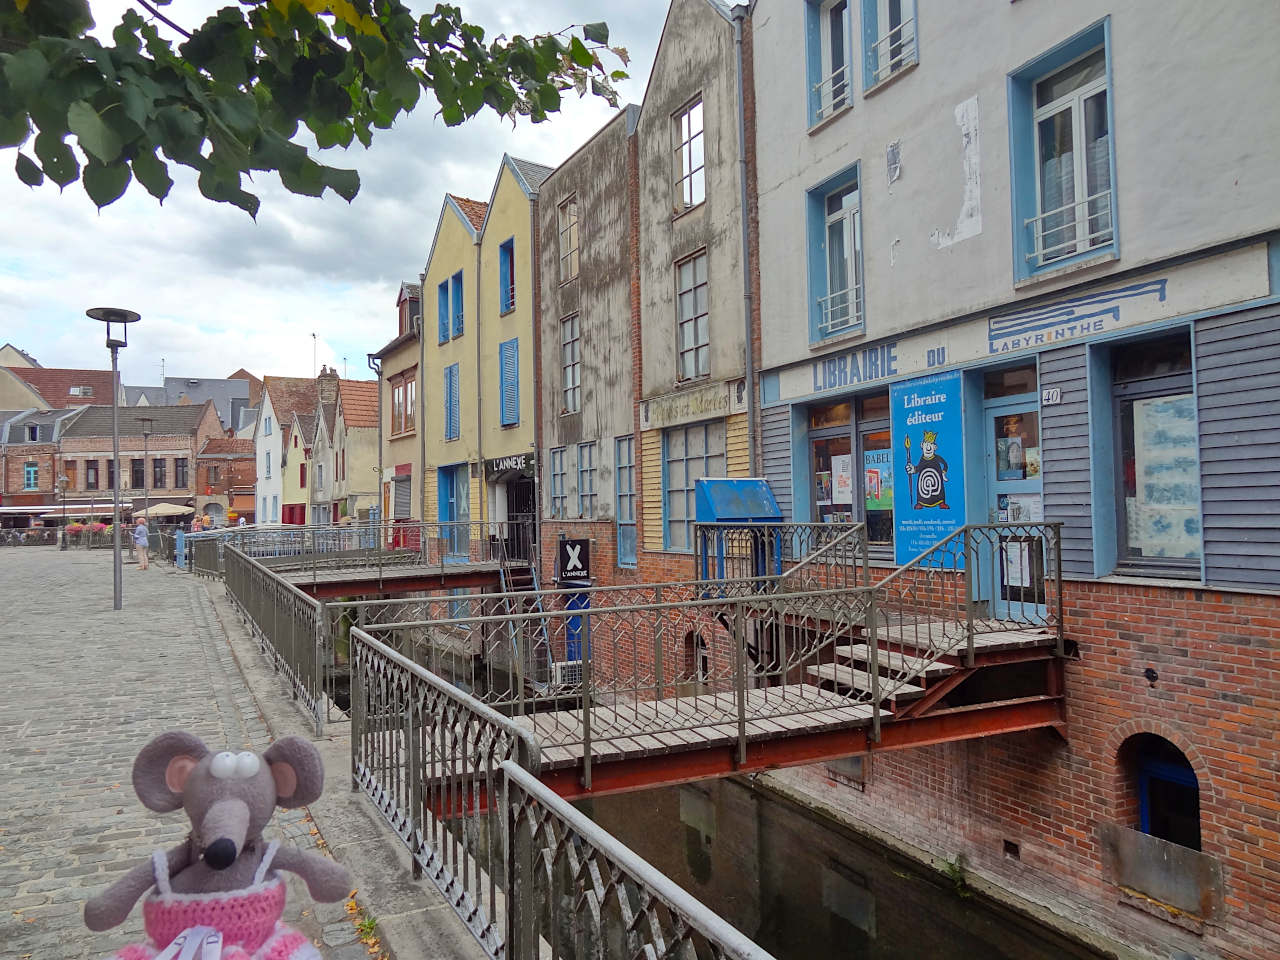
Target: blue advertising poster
928,461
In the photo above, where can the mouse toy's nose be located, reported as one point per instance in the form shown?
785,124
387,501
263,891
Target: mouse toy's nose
220,854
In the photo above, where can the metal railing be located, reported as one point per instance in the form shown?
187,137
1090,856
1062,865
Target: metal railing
288,625
832,93
1054,234
573,885
812,555
429,756
895,50
840,311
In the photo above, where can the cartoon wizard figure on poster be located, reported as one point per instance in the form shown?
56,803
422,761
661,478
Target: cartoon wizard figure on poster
928,475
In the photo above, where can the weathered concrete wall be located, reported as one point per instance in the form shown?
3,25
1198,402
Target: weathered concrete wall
1193,159
598,175
696,58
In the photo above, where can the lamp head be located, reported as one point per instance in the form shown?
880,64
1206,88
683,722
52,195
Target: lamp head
117,321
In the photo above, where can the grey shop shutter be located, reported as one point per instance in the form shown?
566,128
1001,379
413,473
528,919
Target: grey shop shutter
403,507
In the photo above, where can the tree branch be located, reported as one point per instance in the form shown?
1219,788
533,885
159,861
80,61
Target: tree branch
163,19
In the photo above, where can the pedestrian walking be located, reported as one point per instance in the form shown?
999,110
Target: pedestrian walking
141,537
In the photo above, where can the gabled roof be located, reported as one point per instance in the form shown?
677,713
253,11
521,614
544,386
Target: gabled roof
50,424
410,291
141,396
18,350
227,446
330,412
529,177
290,395
306,428
165,421
359,400
54,384
473,210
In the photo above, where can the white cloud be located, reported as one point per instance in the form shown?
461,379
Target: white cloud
218,291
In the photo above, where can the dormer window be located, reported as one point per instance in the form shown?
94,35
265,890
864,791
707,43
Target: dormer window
33,433
81,391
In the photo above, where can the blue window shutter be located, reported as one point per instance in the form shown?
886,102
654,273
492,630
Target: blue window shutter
443,305
457,304
509,374
451,400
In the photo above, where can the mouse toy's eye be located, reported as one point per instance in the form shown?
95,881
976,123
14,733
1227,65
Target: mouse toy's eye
247,764
224,765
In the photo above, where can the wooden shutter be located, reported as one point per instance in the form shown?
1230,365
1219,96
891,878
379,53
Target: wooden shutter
509,374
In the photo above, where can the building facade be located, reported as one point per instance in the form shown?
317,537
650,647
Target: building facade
987,297
282,399
355,451
30,464
226,475
400,445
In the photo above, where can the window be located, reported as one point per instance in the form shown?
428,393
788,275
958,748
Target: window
30,475
397,407
180,472
587,480
625,488
263,513
690,177
571,364
509,382
507,275
567,218
403,403
1168,791
688,455
888,37
275,508
876,467
137,472
268,465
319,476
452,402
69,468
830,82
1060,130
343,473
559,502
442,307
835,257
213,476
91,474
410,402
693,335
266,426
111,474
33,432
1157,456
455,293
302,475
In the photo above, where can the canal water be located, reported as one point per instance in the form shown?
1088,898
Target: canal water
804,888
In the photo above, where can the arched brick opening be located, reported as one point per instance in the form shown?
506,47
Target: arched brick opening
1123,799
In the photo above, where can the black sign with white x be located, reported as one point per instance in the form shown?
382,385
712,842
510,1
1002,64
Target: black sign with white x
574,560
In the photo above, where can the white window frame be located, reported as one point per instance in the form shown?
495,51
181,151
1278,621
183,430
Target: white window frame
841,311
709,467
268,474
266,426
903,35
834,91
699,348
559,500
1073,101
587,480
624,471
567,228
571,363
33,433
690,179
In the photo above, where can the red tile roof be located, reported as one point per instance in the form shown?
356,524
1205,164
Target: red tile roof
474,209
54,385
290,395
235,447
359,402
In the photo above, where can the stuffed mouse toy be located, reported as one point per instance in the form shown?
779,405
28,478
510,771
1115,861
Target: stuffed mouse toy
218,894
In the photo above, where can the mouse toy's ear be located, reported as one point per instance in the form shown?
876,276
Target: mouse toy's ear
297,769
161,770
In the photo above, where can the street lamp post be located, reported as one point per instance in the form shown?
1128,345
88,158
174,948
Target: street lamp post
63,482
117,338
146,497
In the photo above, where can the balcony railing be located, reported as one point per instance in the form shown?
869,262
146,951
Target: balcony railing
832,93
895,50
841,311
1054,234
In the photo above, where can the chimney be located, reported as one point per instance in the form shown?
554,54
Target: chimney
327,384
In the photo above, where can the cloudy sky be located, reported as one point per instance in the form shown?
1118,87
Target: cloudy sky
218,291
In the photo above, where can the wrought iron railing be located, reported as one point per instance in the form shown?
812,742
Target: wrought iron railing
803,555
832,93
895,50
1075,227
428,756
840,311
575,890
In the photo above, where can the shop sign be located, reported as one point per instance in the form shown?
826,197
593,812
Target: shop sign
573,560
928,435
521,463
687,406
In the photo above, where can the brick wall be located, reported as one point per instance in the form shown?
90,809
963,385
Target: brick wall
16,458
1216,699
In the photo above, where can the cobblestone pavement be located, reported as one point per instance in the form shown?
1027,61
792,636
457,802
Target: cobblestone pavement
86,688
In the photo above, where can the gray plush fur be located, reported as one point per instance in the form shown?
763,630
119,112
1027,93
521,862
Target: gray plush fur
172,772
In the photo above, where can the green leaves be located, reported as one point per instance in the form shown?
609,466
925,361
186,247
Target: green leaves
95,137
231,98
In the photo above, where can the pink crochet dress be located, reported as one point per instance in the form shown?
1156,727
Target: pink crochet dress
248,919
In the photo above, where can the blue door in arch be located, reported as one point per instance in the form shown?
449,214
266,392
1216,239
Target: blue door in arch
1013,558
454,511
